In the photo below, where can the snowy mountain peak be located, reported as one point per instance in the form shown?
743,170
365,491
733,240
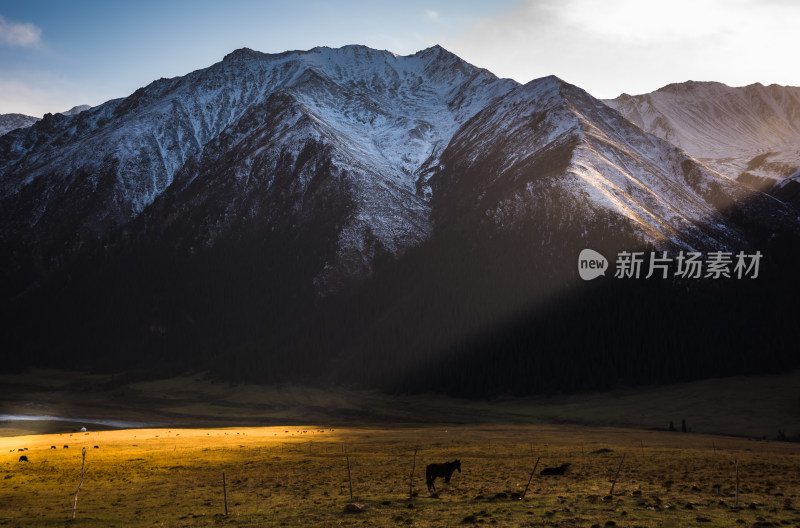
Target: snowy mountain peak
355,50
359,143
549,86
76,110
688,86
243,54
548,80
384,119
436,51
552,142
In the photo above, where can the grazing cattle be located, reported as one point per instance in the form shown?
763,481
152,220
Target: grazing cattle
66,446
23,458
444,470
52,447
560,470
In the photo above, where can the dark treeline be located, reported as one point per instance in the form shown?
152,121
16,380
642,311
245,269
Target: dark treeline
491,314
476,311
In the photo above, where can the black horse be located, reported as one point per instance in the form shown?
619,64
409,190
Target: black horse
441,470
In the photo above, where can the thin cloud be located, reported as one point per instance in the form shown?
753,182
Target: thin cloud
432,15
19,34
40,93
636,47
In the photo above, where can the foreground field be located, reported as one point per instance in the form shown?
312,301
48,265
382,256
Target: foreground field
280,476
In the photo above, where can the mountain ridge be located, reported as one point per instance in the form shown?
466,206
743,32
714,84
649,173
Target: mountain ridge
748,133
608,156
352,216
384,122
139,143
9,122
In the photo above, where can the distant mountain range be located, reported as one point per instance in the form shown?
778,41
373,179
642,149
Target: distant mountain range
353,216
9,122
750,133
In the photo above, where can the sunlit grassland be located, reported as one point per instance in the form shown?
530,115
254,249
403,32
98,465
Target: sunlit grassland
297,476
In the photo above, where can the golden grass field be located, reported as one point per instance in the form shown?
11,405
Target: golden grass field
297,476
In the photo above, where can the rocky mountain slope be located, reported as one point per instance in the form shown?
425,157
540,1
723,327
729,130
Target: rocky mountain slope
77,110
750,133
380,118
352,216
9,122
549,142
256,137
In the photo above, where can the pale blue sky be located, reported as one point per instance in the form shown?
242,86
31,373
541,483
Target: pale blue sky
55,54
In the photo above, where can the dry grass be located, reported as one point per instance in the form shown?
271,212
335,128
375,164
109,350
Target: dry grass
279,476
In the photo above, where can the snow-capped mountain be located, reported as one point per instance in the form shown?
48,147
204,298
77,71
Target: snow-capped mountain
551,142
262,141
750,133
353,215
9,122
76,110
383,119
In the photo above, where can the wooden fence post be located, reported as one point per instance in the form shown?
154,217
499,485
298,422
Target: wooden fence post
611,493
411,478
225,493
349,479
75,497
531,477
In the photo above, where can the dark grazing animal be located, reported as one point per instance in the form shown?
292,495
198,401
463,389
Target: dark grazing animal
441,470
560,470
23,458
